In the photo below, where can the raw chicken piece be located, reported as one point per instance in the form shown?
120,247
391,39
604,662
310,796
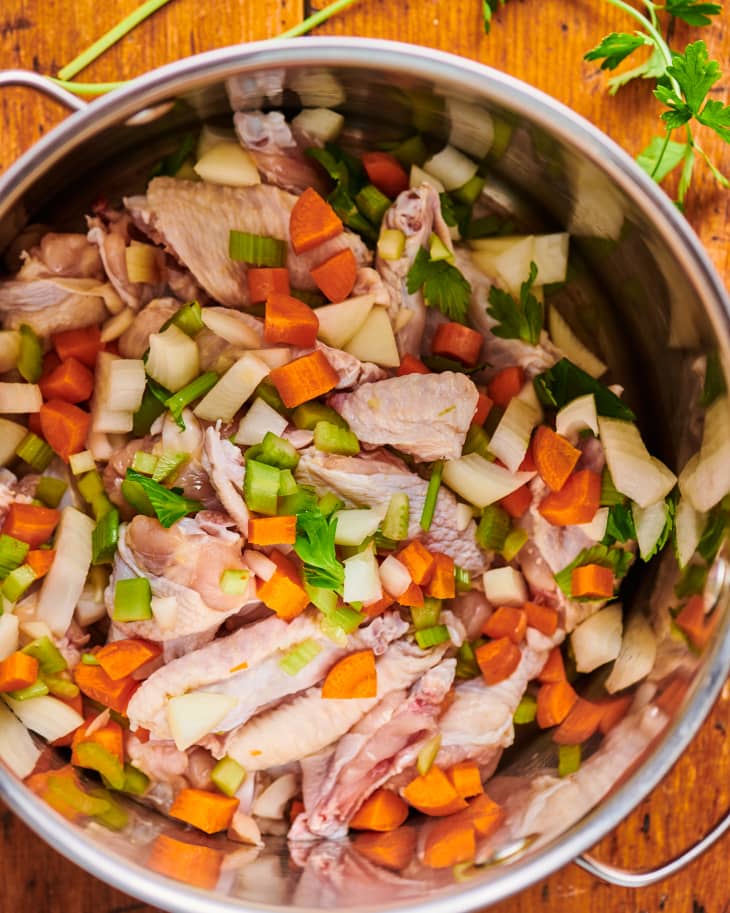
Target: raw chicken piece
161,761
309,723
472,609
351,370
269,139
135,341
369,480
382,744
193,221
111,235
369,282
425,415
50,305
416,213
69,255
223,463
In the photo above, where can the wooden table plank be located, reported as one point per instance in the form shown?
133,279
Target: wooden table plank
542,42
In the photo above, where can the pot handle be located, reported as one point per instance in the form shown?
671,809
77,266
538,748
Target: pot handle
624,879
43,85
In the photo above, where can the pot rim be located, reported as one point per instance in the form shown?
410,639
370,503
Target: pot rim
683,244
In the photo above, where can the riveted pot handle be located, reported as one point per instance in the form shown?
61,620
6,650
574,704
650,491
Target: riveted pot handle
624,879
43,85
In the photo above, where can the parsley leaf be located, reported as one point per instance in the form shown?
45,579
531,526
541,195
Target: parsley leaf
620,526
349,177
615,48
658,161
489,7
169,504
693,12
716,116
695,74
616,558
315,545
653,67
565,381
517,320
444,287
670,510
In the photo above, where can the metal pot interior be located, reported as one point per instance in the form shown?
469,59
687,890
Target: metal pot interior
639,290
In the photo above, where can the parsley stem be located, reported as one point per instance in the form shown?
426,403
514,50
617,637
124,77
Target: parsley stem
661,154
317,18
651,30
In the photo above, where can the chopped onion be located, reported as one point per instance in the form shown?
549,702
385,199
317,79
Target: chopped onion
192,716
505,586
511,265
463,516
64,583
259,419
705,479
637,655
649,523
339,322
689,525
597,640
451,167
511,437
99,444
635,473
233,389
394,576
472,127
17,748
375,341
50,718
354,526
362,580
116,325
104,418
20,398
127,377
164,610
142,262
272,802
82,462
550,255
418,177
212,136
9,349
231,328
90,608
578,415
263,567
32,630
596,529
11,434
321,124
568,343
276,357
9,630
391,244
173,359
480,482
228,163
317,88
178,441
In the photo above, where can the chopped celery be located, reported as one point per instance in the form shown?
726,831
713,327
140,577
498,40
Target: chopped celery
325,600
427,754
50,659
136,497
347,618
330,438
432,637
143,462
526,710
299,656
132,600
69,793
466,662
261,487
88,659
304,498
395,522
150,409
115,818
50,490
30,357
309,414
12,554
432,493
569,758
35,452
61,687
437,250
136,783
493,528
462,578
287,483
270,395
234,581
168,464
188,319
372,203
94,756
105,538
90,486
411,151
330,503
383,543
427,615
228,775
692,582
37,689
469,193
278,452
257,250
391,244
516,538
477,441
609,494
188,394
17,582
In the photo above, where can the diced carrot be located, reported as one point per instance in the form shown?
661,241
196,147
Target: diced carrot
413,596
433,794
528,462
506,621
40,560
289,320
373,609
576,502
580,724
554,669
34,423
97,685
77,703
466,779
272,530
442,584
50,362
65,427
484,406
541,617
110,736
485,815
693,621
454,340
449,843
142,735
505,384
614,710
295,809
283,592
497,660
554,703
199,866
419,561
304,378
385,172
517,502
672,695
554,456
18,671
65,778
121,658
209,812
353,676
31,523
592,580
393,850
411,365
70,381
83,344
384,810
266,280
312,222
336,276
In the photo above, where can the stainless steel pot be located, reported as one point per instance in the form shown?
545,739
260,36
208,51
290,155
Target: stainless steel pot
641,282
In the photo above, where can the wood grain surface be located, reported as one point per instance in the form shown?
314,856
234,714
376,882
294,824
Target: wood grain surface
542,42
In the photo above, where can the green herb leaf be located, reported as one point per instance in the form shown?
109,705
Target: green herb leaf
489,7
693,12
660,157
517,319
616,558
444,287
695,74
716,116
654,67
670,510
168,504
315,545
565,381
620,526
615,48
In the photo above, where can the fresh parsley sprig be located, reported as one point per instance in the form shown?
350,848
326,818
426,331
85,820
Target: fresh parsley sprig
517,319
168,503
315,545
444,287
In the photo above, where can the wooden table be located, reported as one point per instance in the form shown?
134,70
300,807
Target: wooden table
542,42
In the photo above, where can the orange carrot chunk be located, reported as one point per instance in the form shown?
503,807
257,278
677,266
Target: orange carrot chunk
541,617
442,584
497,660
592,580
580,724
121,658
304,378
18,671
554,668
336,276
65,427
110,736
354,676
411,365
576,502
454,340
505,384
77,703
199,866
419,561
614,710
554,703
84,344
448,843
506,621
289,320
554,456
485,815
484,406
385,172
272,530
373,609
384,810
283,592
413,596
517,502
433,794
266,280
70,381
393,850
693,621
312,222
40,561
97,685
466,779
30,523
209,812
